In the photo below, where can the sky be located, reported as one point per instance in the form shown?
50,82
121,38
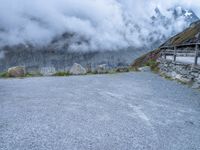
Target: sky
103,24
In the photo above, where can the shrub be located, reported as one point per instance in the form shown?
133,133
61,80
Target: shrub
62,74
4,75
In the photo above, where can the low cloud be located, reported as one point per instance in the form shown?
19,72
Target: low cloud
95,24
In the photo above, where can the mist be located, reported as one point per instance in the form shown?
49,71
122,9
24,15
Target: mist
94,24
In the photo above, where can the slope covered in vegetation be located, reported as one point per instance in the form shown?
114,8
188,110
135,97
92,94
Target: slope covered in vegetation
189,35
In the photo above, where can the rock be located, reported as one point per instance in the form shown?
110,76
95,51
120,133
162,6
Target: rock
17,71
145,69
185,80
196,85
122,69
178,77
173,75
47,71
198,80
77,69
195,74
101,69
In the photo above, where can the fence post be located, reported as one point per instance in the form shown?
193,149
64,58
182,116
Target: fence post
175,48
196,54
164,51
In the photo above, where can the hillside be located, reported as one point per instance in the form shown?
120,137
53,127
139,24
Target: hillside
189,35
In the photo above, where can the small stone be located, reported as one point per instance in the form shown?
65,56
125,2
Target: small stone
178,77
185,80
196,85
173,74
145,69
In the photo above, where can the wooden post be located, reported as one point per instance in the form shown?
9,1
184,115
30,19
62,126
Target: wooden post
175,48
164,53
196,54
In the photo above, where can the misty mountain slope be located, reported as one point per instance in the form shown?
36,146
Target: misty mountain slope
189,35
85,39
35,59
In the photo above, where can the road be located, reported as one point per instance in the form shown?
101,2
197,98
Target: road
130,111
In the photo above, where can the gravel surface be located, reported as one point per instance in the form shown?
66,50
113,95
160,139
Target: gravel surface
131,111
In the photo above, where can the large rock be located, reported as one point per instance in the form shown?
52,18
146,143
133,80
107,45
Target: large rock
77,69
101,69
47,71
17,71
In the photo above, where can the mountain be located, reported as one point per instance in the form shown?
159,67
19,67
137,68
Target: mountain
57,53
187,14
178,16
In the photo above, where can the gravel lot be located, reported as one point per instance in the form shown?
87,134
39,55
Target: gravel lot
130,111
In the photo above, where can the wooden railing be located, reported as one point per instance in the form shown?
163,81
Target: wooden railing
184,50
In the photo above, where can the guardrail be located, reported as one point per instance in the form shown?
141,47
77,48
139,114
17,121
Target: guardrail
184,50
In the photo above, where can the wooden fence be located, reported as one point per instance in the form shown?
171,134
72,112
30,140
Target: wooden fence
184,50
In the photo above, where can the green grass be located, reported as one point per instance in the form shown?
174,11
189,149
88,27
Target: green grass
62,74
153,64
33,75
4,75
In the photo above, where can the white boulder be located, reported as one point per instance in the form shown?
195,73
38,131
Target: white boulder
145,69
77,69
47,71
101,69
17,71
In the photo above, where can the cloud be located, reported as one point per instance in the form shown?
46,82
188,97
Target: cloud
101,24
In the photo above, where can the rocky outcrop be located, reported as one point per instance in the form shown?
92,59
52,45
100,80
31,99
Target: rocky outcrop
17,71
77,69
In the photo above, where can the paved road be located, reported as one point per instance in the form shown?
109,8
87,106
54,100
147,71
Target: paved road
131,111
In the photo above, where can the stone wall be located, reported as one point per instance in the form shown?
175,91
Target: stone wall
179,71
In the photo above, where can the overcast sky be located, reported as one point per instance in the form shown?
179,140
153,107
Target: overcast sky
106,24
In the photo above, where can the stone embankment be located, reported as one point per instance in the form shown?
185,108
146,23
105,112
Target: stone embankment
185,73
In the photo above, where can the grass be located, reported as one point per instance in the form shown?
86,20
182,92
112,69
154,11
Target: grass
153,64
62,74
166,76
186,35
33,75
4,75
